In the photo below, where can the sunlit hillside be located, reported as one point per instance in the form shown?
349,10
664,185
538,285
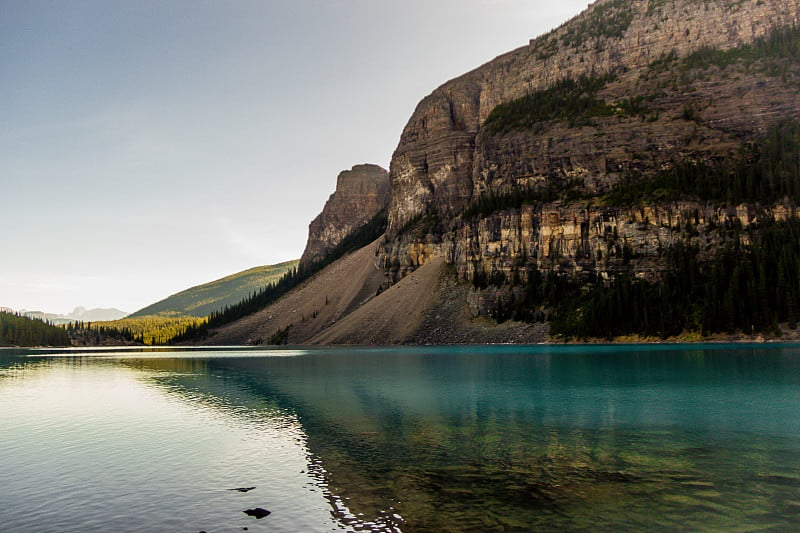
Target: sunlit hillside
146,329
202,300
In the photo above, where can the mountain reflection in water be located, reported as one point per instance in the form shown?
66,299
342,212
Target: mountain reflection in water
509,438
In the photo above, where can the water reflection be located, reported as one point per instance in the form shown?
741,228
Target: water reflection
98,444
222,386
455,440
509,439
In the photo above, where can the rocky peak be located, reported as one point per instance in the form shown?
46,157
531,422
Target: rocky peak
361,193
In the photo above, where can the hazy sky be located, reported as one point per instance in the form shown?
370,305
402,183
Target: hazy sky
149,146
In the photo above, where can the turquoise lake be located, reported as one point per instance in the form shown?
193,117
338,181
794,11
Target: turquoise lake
500,438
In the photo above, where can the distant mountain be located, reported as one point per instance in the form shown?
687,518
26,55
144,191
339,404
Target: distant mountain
78,314
204,299
96,315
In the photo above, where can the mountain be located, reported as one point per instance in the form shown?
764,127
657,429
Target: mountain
630,154
361,193
603,94
78,314
96,315
634,171
202,300
348,303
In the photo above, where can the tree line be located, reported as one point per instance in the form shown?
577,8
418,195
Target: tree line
752,284
571,99
150,330
18,330
765,171
780,44
89,332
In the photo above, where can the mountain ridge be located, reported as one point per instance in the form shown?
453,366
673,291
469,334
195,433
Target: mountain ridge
503,179
433,163
201,300
79,314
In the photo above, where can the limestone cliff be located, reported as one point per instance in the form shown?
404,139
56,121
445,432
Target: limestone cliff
626,89
360,194
445,157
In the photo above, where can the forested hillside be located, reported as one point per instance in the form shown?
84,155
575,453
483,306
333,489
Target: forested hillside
151,330
203,300
358,238
17,330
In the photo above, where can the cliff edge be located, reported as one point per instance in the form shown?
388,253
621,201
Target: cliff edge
361,193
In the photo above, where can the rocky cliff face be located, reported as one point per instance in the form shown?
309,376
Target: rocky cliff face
653,84
442,161
360,194
574,240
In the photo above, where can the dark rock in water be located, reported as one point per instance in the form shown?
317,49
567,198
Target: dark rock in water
243,489
258,513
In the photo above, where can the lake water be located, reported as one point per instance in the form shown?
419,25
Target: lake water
555,438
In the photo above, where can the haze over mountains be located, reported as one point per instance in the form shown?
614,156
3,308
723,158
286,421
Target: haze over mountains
78,314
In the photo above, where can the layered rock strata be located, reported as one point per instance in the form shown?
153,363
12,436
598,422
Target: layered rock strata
668,94
442,162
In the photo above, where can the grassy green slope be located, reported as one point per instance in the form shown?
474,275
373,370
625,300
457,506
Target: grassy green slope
202,300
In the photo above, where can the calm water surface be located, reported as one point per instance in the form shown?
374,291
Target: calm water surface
599,438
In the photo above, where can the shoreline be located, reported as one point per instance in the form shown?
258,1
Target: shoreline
626,340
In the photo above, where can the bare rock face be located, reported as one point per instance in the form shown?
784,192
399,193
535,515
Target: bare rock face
668,93
575,239
444,160
360,194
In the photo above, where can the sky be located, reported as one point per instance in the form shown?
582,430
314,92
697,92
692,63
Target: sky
147,146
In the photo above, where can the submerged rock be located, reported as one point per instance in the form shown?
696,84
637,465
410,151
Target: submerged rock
243,489
258,513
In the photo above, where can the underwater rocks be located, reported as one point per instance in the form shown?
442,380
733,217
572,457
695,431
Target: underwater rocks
258,513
